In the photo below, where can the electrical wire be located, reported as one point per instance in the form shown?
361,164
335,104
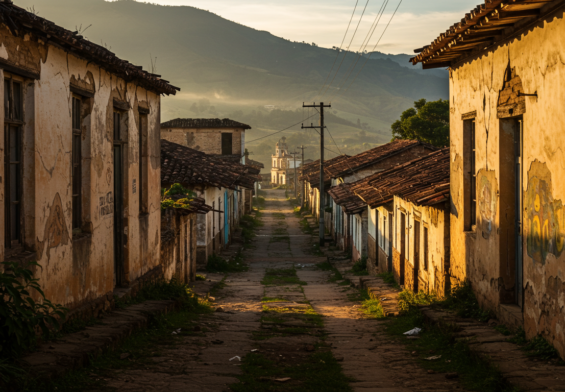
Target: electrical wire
274,133
364,44
339,50
374,48
347,50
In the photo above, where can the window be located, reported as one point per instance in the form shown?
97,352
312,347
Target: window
470,173
142,166
76,164
426,249
385,234
13,128
227,146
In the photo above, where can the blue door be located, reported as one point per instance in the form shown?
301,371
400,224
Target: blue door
226,218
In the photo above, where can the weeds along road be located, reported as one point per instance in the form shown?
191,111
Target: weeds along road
285,324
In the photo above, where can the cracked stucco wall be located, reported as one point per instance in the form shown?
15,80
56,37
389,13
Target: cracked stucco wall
75,270
537,56
436,220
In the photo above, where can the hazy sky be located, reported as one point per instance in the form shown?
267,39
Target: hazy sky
324,22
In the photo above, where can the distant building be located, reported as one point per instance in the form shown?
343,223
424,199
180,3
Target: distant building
209,135
283,164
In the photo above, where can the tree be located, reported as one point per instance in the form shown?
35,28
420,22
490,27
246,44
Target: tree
428,123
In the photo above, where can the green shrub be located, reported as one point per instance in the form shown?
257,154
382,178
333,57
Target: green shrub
21,316
360,265
219,264
171,290
200,278
407,299
463,301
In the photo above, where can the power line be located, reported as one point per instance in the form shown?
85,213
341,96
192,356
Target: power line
340,46
364,45
374,48
350,42
274,133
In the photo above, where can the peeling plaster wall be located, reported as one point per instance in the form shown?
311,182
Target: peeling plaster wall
79,268
535,61
434,279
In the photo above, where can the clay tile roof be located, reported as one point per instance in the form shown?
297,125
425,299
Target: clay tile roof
423,181
373,156
193,123
18,20
188,167
478,29
252,169
311,171
253,163
344,196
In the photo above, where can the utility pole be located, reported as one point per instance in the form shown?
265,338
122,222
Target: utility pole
303,190
321,106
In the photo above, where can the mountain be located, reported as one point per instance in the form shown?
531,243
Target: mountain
224,68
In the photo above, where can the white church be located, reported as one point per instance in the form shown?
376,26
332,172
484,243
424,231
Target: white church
283,164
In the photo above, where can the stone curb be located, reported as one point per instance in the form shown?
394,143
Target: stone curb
515,366
76,350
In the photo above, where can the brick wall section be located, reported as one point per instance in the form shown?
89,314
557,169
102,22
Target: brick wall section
409,276
372,255
208,140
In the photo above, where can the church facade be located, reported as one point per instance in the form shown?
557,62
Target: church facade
282,164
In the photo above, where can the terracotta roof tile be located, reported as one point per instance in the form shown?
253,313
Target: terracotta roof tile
193,123
188,167
373,156
311,171
478,29
422,181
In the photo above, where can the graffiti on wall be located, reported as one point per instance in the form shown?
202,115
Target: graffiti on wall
487,201
107,205
544,218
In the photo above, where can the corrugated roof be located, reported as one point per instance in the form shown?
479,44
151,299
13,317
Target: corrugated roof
189,167
422,181
482,27
20,21
374,156
194,123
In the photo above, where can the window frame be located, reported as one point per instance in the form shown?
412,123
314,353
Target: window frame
224,143
76,163
13,121
470,174
143,154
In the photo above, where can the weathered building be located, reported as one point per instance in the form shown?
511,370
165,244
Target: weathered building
178,239
310,176
409,211
356,168
79,161
209,135
215,180
507,91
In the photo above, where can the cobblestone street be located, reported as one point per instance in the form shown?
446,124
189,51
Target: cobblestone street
370,361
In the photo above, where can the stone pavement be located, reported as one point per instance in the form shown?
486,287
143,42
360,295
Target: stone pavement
202,363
